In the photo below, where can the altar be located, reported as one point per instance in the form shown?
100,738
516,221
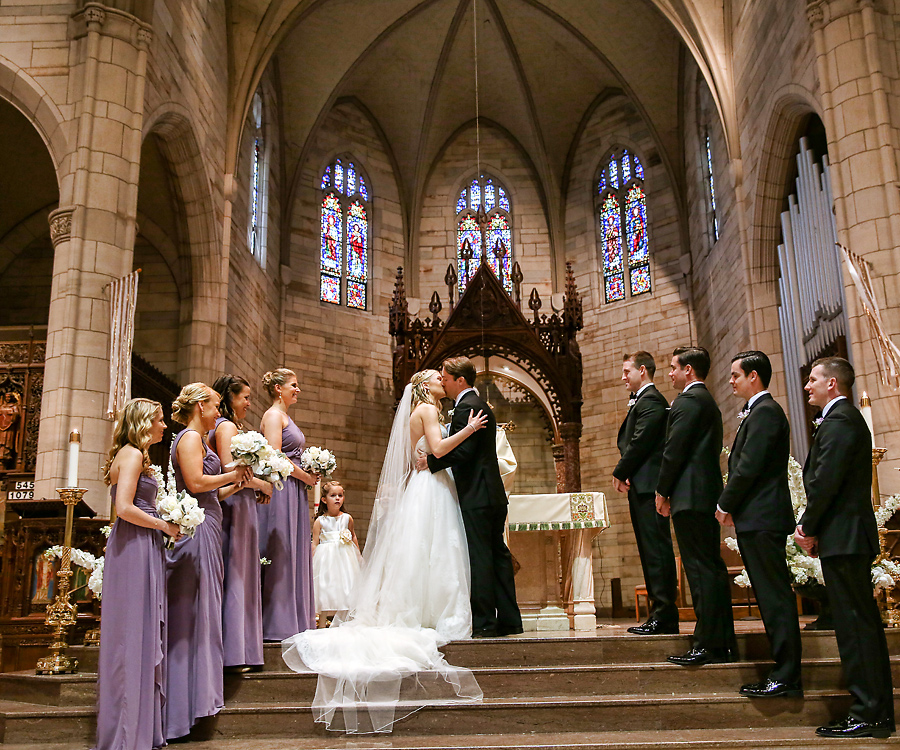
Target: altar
551,537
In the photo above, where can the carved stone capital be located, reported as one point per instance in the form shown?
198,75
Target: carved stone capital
94,16
144,37
815,13
570,431
61,224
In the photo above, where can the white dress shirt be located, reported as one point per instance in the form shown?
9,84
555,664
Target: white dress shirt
831,403
461,394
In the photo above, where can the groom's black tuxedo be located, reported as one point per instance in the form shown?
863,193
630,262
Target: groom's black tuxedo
759,500
640,442
482,500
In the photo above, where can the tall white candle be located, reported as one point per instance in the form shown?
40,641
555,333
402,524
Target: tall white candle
74,447
865,408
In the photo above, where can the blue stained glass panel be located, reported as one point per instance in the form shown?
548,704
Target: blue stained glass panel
611,235
468,230
640,280
626,168
615,287
638,168
461,204
338,176
331,289
498,231
326,178
331,235
489,196
712,187
636,226
602,185
363,189
254,197
475,195
614,173
504,201
351,179
356,295
357,242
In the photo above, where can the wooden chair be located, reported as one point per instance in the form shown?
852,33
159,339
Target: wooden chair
641,591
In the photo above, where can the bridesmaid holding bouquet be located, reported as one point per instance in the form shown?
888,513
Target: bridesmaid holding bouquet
132,661
284,527
194,684
242,598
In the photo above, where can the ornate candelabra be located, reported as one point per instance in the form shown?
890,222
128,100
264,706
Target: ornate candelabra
61,612
890,614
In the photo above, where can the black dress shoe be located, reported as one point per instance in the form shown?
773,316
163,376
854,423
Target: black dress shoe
484,633
772,689
697,657
516,630
853,727
654,627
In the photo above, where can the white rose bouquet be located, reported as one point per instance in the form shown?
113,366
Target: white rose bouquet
178,507
252,449
318,461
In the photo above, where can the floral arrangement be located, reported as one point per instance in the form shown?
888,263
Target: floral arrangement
252,449
83,560
318,461
106,530
346,537
887,509
176,506
264,561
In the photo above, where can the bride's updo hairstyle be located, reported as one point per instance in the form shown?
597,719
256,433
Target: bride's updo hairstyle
276,377
190,396
420,392
133,428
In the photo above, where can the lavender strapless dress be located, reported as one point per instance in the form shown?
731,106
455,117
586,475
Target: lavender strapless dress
194,685
130,689
242,599
285,539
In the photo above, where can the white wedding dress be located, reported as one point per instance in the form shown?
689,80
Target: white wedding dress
382,662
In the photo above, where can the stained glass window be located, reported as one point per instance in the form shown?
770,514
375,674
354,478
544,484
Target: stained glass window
256,224
497,228
344,231
624,240
711,182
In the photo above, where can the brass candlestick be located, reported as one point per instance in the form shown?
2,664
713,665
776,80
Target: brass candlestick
61,613
890,614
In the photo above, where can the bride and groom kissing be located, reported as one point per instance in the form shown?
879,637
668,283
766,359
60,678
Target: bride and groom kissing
436,566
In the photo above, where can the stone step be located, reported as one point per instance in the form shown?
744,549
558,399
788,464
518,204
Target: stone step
496,682
795,738
23,723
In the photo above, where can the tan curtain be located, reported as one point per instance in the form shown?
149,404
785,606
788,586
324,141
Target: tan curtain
886,351
122,299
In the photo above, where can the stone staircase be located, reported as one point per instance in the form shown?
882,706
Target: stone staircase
608,690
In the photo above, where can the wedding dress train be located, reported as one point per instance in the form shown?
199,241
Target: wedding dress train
382,661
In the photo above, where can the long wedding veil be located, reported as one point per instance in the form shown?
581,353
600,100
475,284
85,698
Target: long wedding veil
397,466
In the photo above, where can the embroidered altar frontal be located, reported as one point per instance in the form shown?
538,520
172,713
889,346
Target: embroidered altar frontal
558,512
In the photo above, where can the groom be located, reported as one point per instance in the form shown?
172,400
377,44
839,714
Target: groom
482,500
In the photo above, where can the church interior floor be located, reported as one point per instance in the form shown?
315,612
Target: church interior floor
605,689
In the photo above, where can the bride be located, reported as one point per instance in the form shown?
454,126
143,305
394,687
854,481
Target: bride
380,662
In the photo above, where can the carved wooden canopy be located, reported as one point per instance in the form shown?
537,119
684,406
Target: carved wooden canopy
486,322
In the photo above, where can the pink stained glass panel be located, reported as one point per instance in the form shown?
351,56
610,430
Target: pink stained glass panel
468,230
357,242
331,289
331,235
640,280
356,295
611,235
498,231
615,287
636,226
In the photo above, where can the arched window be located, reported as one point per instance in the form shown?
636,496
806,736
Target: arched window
494,225
344,234
259,180
710,184
622,226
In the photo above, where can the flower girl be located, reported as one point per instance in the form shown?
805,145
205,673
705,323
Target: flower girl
335,553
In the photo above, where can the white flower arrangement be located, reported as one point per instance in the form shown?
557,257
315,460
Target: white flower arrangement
732,544
318,461
887,509
177,506
264,561
346,537
252,449
85,560
106,530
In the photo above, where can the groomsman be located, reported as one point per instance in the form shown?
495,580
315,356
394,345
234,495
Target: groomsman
690,482
840,526
641,439
757,502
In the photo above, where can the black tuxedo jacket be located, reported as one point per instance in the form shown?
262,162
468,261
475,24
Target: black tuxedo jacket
838,481
474,461
690,476
757,494
641,440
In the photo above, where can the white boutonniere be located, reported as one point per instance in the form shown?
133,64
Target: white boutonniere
817,422
632,401
450,412
743,414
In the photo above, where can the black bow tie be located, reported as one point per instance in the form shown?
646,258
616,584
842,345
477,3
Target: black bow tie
631,396
746,407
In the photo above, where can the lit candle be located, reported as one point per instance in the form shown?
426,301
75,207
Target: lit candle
74,446
865,407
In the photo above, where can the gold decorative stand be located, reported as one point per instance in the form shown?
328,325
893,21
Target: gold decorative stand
890,614
61,612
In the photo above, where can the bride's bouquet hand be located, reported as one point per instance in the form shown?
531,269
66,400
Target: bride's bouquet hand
477,421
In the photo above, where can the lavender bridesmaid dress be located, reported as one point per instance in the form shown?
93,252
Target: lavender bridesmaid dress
130,689
194,684
285,539
242,611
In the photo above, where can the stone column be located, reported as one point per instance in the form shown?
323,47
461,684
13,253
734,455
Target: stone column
570,432
94,240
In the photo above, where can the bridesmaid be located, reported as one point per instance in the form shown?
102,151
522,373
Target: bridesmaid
242,610
284,530
194,685
132,662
